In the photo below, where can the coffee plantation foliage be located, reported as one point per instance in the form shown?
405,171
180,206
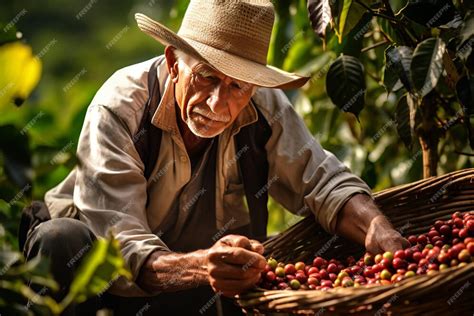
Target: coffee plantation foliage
76,49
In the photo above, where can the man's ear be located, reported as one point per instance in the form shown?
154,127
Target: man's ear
171,63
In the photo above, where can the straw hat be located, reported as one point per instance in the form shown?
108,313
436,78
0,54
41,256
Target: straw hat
230,35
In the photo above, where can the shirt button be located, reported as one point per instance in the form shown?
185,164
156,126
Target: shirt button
183,158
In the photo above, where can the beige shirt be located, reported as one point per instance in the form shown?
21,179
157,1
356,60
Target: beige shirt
109,189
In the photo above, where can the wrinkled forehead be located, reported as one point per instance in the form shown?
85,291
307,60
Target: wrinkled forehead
200,67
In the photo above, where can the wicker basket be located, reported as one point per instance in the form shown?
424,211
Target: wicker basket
412,209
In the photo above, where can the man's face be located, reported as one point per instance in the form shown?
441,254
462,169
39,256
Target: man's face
209,100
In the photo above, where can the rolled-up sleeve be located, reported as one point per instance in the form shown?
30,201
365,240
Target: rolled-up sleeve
303,176
111,190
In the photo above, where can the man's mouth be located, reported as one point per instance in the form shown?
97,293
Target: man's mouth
209,116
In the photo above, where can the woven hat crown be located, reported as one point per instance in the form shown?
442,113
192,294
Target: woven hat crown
242,28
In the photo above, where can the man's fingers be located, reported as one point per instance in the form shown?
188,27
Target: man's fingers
233,286
233,272
257,246
246,258
236,241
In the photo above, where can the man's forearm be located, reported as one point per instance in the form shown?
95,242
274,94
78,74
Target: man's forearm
170,271
361,221
355,217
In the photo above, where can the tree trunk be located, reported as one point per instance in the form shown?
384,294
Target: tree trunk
429,135
429,149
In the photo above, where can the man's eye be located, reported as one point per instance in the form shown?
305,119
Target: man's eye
236,85
204,77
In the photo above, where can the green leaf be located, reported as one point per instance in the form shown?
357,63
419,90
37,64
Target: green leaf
319,15
352,43
14,145
18,287
103,264
427,65
397,64
430,13
349,13
403,121
467,30
465,93
391,32
345,84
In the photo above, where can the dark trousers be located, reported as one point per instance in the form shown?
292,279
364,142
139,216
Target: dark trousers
66,241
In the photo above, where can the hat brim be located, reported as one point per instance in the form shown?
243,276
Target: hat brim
227,63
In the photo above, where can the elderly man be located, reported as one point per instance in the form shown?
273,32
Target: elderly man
171,149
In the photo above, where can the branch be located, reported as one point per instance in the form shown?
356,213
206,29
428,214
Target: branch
388,7
463,153
376,13
374,46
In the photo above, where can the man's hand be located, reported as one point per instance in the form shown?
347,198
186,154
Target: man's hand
382,237
234,264
361,221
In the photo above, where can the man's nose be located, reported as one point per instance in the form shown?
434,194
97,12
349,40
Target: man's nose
218,99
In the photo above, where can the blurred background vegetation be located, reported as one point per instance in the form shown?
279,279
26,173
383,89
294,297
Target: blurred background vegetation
80,44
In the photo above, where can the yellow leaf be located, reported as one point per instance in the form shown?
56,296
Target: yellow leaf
20,72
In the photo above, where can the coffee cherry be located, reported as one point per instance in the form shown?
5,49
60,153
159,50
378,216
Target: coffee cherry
412,267
332,268
443,257
388,255
324,274
378,258
290,269
417,256
270,276
470,248
326,283
399,263
355,269
400,254
412,240
408,253
410,274
385,274
347,283
318,262
458,223
301,277
342,275
300,265
282,285
280,271
332,276
433,266
463,233
313,281
443,266
445,230
368,259
432,234
386,263
422,239
290,277
312,270
464,256
438,224
272,263
295,284
470,226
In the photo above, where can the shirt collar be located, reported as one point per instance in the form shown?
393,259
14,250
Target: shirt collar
165,115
